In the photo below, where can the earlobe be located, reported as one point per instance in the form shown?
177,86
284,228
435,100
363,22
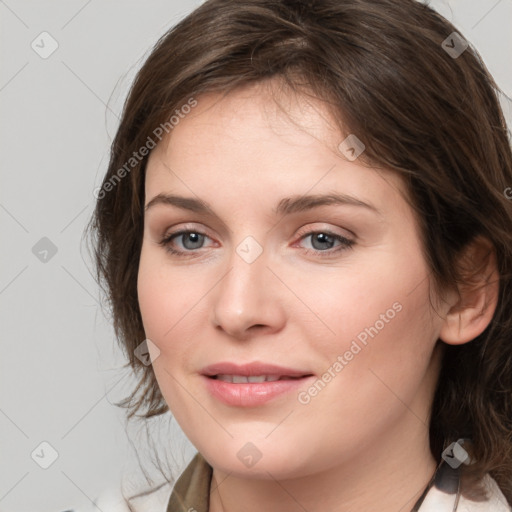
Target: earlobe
473,308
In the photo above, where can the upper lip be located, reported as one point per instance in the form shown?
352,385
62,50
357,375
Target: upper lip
251,369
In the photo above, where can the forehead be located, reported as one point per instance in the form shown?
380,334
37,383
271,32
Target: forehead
257,142
250,116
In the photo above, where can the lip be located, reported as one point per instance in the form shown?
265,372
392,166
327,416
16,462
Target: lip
252,394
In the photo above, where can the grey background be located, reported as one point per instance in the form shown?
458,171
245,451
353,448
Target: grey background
60,368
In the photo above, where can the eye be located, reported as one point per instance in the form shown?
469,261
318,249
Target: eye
322,242
191,240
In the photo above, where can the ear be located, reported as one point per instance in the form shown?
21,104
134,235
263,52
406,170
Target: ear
472,308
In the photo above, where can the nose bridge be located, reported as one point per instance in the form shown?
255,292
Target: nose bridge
246,296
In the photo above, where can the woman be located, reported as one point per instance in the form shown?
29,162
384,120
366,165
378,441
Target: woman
304,233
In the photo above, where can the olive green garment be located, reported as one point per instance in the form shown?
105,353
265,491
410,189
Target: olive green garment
192,490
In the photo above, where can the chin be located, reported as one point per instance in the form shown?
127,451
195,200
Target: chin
251,460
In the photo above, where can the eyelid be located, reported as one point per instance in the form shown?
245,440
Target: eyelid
172,230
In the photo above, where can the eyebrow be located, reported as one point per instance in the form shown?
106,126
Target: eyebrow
286,206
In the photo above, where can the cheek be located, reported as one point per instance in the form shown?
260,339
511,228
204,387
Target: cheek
164,295
170,306
378,318
383,362
162,303
152,299
385,343
359,306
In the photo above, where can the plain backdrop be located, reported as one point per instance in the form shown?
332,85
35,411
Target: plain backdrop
66,66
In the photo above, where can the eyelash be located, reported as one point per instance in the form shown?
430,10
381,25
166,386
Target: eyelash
345,243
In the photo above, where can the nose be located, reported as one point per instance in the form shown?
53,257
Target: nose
249,299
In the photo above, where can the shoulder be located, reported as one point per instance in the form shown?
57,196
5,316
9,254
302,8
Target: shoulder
112,500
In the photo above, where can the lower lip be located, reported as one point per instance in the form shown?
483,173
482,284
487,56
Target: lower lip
254,393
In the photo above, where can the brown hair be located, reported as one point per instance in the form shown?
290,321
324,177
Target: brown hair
431,116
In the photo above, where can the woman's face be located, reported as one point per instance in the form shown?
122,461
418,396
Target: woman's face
334,294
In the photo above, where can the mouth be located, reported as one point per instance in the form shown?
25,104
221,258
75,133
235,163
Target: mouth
254,384
263,372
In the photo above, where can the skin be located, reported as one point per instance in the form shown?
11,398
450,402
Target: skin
368,427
